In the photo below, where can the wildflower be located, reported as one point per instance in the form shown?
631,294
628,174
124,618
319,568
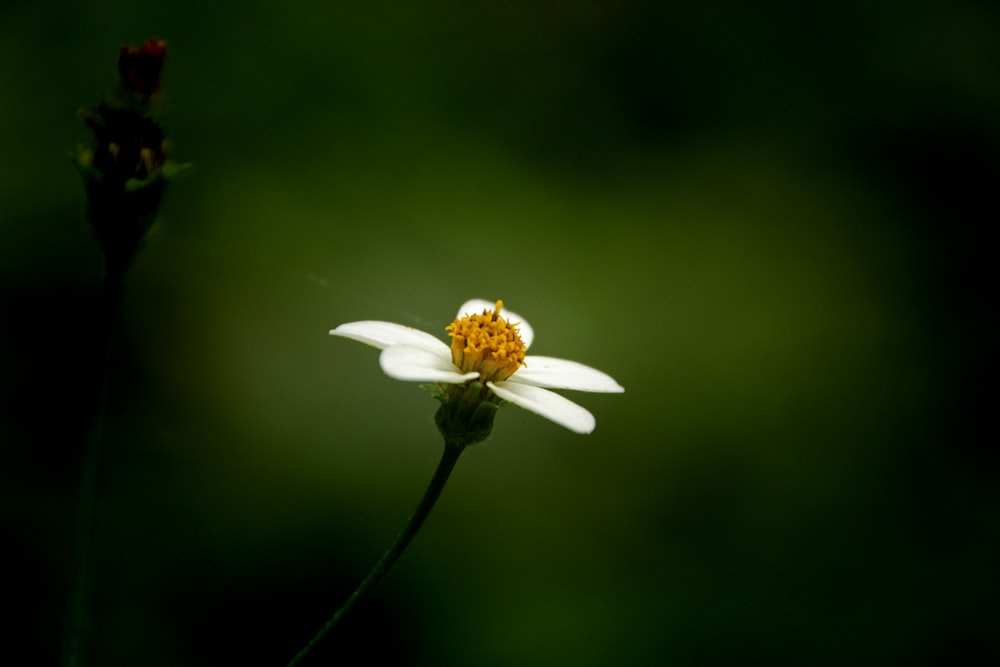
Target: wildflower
485,365
127,168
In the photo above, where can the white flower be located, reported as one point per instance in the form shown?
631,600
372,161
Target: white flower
488,345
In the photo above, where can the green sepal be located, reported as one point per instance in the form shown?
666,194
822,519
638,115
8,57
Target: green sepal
434,390
466,414
172,170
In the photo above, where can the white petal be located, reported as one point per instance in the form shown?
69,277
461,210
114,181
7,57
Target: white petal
386,334
477,306
414,364
564,374
546,403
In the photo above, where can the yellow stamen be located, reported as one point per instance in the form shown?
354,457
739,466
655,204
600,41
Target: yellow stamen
486,344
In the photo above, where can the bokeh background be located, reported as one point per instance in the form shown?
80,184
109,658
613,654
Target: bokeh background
768,222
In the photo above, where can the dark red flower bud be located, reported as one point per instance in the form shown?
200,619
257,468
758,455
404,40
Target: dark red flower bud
126,170
139,68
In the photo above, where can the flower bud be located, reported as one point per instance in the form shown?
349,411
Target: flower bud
139,68
126,170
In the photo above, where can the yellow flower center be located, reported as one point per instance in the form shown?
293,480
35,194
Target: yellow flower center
486,344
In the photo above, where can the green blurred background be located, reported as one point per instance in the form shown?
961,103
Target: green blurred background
768,223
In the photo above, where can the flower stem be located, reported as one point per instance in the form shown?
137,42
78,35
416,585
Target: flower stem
444,468
78,617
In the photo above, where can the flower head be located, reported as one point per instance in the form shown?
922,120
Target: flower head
126,170
486,343
485,365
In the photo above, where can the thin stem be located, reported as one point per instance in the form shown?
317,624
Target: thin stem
444,468
77,624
